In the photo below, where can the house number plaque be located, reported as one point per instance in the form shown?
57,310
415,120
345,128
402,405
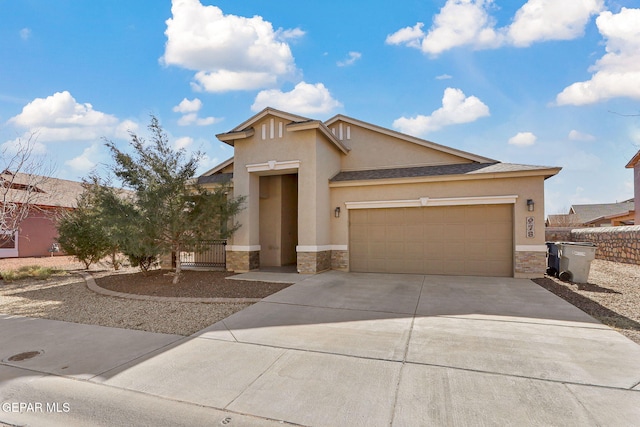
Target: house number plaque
531,227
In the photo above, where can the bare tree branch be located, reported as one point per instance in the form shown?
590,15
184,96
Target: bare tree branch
23,174
623,115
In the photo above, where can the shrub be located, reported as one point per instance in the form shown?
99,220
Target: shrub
30,271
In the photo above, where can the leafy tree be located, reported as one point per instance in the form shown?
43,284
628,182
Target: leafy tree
81,232
169,212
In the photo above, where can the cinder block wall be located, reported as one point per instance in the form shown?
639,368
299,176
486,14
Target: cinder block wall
618,244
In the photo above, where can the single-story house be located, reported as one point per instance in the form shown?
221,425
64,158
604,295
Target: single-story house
595,215
37,233
349,195
634,164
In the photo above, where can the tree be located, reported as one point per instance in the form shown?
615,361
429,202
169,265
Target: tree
22,174
81,232
169,211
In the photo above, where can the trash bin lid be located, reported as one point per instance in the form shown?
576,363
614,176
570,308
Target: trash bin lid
589,244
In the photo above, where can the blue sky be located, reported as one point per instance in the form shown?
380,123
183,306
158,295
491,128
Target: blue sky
547,82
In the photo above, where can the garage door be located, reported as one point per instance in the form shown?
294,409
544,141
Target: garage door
452,240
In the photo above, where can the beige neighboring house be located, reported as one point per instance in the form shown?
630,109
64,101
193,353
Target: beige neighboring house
349,195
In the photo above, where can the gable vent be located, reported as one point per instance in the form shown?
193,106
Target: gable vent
272,130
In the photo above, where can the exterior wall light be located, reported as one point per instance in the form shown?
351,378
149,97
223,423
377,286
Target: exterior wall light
336,212
530,205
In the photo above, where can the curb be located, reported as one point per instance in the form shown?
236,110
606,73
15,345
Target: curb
92,285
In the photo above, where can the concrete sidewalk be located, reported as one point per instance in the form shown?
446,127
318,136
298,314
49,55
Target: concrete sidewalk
340,349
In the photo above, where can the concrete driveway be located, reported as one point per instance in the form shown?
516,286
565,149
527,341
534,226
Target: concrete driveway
347,349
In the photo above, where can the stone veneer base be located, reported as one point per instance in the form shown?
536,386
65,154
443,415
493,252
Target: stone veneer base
314,262
530,264
340,260
241,261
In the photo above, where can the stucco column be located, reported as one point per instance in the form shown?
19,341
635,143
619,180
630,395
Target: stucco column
244,253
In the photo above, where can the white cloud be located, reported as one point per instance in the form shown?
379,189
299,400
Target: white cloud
60,117
575,135
190,109
617,73
25,33
410,36
187,106
13,146
444,77
227,52
459,22
291,34
305,98
539,20
469,23
183,142
456,108
124,129
225,81
523,139
193,119
86,161
351,59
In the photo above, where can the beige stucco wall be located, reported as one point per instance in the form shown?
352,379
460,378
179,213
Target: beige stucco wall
372,150
328,159
524,187
319,160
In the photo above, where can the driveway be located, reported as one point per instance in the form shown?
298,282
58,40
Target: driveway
344,349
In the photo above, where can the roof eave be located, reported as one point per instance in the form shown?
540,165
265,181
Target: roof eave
634,161
269,111
230,137
218,167
409,138
318,125
441,178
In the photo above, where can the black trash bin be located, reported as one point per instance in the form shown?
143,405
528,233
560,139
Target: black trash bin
553,259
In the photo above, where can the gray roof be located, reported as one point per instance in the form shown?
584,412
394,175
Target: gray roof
587,213
52,192
413,172
215,178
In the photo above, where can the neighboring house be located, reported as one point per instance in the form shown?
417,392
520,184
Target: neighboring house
634,164
349,195
563,220
37,233
604,214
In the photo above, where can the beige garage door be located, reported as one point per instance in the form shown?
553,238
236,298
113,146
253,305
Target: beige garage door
451,240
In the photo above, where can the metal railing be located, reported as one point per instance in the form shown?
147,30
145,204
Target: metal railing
210,254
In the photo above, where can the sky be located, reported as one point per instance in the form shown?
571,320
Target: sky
543,82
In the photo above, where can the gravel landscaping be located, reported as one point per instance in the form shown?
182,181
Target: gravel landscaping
69,299
612,295
66,297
